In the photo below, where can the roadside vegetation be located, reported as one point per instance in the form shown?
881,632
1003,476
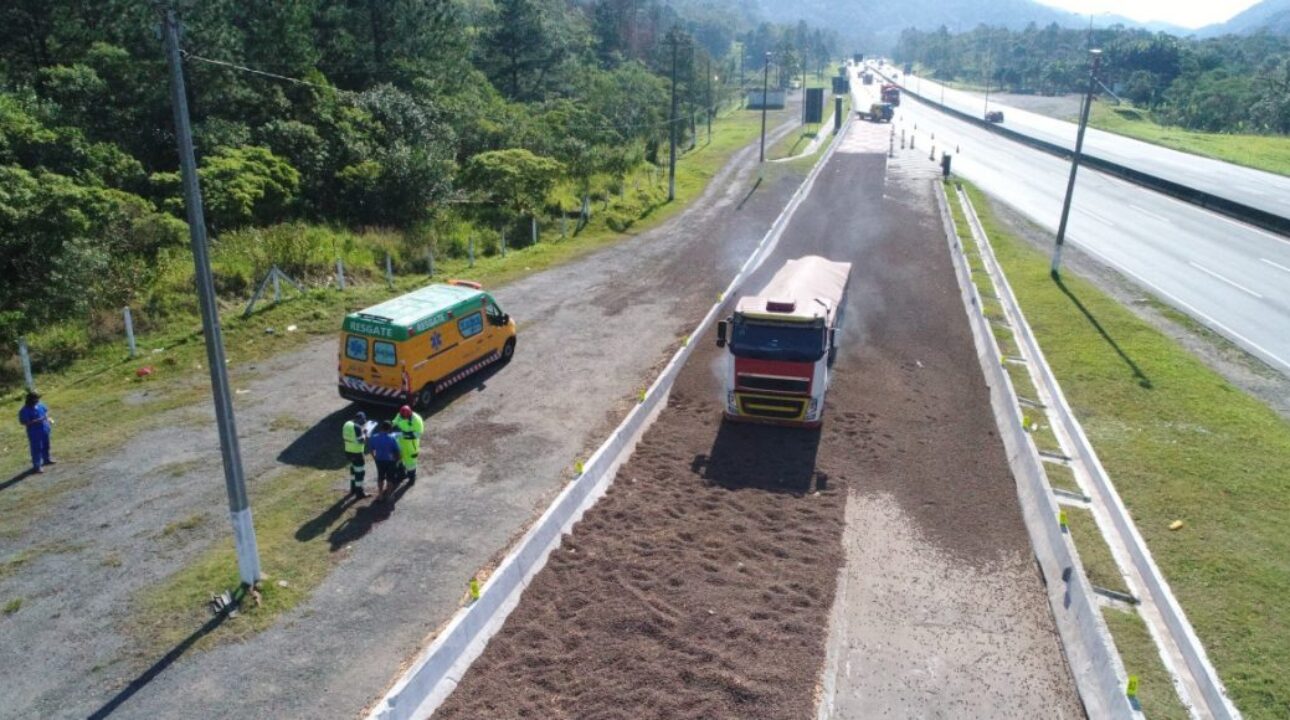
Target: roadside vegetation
1225,97
1180,443
1262,152
331,130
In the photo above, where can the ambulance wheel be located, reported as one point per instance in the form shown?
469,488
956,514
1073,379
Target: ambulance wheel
508,350
425,397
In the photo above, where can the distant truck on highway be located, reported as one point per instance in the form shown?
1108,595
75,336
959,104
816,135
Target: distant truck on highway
994,116
867,78
891,94
782,343
877,112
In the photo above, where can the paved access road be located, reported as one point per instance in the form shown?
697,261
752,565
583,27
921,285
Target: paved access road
1256,188
1228,275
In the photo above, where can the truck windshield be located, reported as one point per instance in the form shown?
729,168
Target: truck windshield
777,342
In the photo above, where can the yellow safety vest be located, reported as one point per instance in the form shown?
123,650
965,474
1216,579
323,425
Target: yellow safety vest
410,430
353,437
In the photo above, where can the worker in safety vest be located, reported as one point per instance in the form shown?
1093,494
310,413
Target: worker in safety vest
409,427
354,435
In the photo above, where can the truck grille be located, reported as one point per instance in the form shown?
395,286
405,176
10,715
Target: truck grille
778,408
774,383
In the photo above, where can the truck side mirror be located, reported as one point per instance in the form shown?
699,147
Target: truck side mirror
721,333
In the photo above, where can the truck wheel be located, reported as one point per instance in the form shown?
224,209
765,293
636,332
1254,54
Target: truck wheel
508,350
425,397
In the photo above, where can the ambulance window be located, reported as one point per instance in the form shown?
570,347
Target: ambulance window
494,312
356,348
471,325
383,352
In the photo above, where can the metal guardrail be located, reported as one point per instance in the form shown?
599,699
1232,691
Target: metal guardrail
1264,219
1099,674
1204,690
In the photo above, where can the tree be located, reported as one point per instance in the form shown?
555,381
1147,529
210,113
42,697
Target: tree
240,186
514,181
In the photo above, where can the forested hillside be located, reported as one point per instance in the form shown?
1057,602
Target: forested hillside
1226,84
430,119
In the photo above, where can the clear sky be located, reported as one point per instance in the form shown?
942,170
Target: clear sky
1188,13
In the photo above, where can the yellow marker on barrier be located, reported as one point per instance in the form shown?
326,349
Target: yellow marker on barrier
720,296
474,589
1132,689
685,341
641,397
577,467
1061,519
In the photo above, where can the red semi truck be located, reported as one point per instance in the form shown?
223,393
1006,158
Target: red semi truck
891,94
782,342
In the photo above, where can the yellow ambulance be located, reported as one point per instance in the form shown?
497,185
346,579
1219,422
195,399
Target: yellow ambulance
408,349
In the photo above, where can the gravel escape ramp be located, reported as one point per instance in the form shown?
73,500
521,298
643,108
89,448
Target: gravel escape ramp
701,585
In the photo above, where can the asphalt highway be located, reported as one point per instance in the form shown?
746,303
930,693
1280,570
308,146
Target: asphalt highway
1256,188
1230,276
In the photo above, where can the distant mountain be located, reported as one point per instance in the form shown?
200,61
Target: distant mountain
1272,16
875,24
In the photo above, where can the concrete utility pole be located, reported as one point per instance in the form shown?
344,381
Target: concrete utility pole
248,555
708,70
988,63
765,80
1095,60
671,127
803,91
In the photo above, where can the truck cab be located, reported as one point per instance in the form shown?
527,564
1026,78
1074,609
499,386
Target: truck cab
781,344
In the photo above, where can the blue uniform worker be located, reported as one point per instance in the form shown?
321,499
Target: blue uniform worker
384,446
35,417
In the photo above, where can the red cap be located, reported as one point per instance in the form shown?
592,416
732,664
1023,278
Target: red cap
405,412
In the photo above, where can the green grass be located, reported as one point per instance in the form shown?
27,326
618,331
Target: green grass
1141,658
1180,442
1099,564
1264,152
179,526
1004,339
1061,477
12,606
294,548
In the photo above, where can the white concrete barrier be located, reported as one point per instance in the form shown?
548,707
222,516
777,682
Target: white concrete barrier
1203,678
1099,675
437,669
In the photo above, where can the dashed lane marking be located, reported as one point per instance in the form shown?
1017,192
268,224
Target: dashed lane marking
1216,276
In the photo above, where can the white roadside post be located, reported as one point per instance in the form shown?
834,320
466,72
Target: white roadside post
248,554
25,357
129,332
340,273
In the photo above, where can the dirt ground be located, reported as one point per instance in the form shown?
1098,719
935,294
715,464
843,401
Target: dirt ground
701,585
591,333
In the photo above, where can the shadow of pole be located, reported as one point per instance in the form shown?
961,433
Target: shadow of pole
751,190
1138,375
166,661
